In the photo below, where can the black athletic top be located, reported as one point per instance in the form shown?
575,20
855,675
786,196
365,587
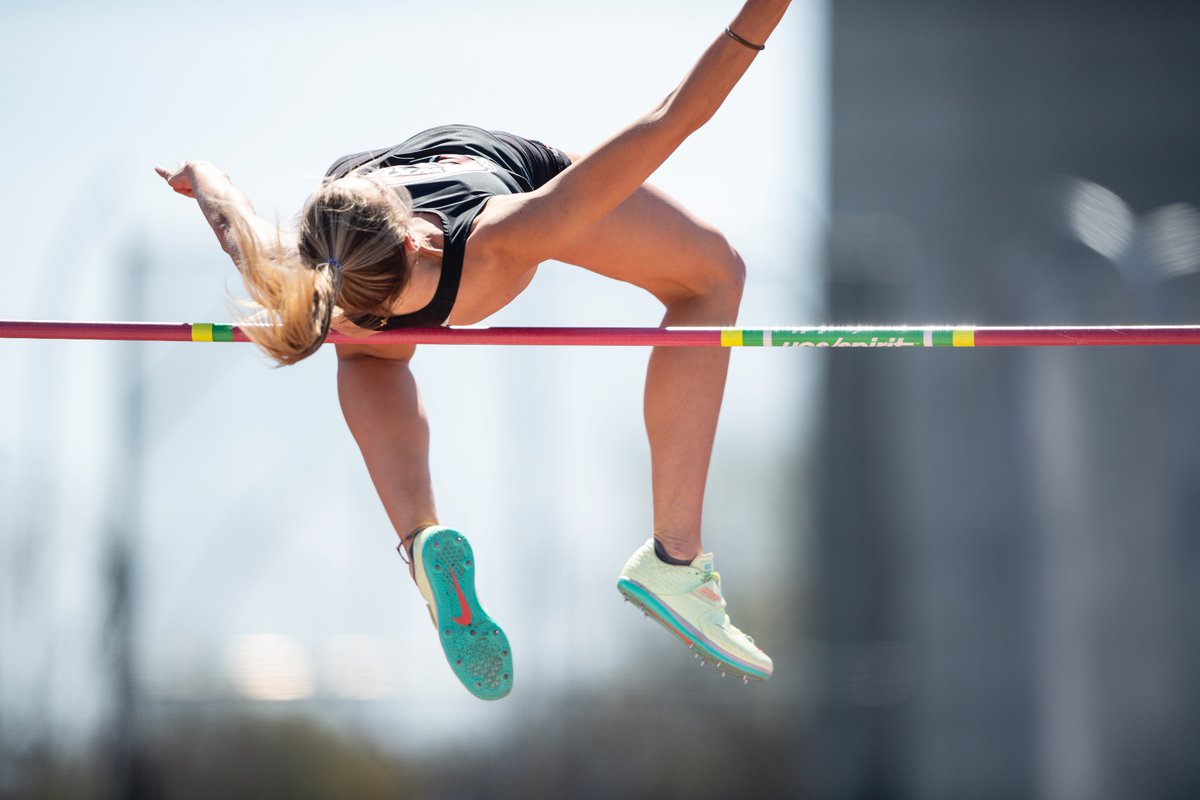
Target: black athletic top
452,171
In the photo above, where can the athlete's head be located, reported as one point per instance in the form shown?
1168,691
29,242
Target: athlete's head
351,252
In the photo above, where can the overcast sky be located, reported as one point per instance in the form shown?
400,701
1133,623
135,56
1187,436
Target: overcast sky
256,514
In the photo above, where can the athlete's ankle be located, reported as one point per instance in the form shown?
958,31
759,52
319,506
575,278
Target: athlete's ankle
667,557
405,547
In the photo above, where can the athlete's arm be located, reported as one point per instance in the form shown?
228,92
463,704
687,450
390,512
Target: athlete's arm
218,199
529,228
383,409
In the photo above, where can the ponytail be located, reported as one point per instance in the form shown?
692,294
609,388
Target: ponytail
292,304
350,255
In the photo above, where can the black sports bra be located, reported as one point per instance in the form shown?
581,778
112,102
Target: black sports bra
452,172
437,310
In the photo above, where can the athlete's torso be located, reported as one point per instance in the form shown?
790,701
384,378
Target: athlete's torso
451,173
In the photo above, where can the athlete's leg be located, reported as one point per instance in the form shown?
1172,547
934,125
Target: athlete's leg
651,241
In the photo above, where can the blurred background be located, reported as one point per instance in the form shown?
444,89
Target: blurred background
974,569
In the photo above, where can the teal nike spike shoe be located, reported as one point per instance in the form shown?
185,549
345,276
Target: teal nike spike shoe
476,647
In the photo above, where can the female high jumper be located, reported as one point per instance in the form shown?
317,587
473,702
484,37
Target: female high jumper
448,228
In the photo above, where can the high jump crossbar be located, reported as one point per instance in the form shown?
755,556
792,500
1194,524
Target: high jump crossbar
903,336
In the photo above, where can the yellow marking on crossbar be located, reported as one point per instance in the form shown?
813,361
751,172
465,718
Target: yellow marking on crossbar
202,332
963,338
731,338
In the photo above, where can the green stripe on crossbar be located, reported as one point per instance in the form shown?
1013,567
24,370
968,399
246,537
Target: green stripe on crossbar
211,332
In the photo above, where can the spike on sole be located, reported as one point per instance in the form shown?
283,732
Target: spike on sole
699,652
482,663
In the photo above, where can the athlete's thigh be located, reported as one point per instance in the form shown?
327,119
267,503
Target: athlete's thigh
652,241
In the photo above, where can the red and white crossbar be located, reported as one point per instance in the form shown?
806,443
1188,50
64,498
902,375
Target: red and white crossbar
904,336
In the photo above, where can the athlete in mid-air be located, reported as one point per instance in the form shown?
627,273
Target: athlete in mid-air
446,229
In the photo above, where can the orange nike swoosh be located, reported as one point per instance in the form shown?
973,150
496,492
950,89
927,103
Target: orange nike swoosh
465,617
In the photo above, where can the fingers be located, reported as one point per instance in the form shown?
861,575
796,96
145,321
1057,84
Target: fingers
178,180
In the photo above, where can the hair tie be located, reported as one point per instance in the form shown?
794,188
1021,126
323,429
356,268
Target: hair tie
336,275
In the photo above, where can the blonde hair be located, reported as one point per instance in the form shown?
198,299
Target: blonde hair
350,256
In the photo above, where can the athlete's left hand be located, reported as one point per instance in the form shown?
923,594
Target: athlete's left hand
185,178
180,179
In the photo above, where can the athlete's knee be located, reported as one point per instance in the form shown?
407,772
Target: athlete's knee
716,272
724,276
734,270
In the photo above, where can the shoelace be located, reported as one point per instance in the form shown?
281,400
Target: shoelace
713,576
716,576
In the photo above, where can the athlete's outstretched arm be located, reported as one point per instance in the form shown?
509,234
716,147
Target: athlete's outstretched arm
381,404
525,229
218,199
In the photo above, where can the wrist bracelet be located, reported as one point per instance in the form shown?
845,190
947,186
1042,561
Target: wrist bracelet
729,32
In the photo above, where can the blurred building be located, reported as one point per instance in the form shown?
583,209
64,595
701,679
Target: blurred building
1015,528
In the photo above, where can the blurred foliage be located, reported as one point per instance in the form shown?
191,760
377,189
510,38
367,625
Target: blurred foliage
597,747
240,757
248,757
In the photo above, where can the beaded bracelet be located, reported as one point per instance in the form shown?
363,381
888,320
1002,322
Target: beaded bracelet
729,32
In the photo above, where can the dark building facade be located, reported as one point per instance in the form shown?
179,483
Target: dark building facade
1021,527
